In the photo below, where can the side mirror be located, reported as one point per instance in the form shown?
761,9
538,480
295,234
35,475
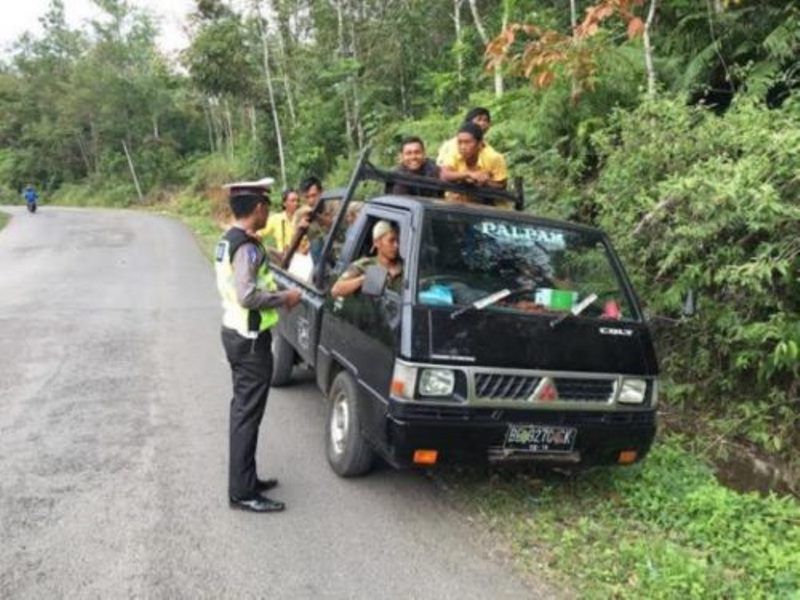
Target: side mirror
374,281
689,308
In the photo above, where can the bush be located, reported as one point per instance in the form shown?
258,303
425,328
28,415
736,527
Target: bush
697,201
213,170
114,194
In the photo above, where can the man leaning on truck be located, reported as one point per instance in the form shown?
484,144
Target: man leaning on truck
250,301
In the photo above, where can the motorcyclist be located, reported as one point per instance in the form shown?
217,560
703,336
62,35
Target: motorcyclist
31,197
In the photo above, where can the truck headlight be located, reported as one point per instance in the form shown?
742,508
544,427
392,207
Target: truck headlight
437,382
632,391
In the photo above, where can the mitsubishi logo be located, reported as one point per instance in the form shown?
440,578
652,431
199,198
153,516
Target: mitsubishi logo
546,391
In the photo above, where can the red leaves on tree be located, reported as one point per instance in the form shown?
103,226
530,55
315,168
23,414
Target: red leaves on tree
545,51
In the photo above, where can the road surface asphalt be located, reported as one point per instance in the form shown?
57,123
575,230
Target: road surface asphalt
113,450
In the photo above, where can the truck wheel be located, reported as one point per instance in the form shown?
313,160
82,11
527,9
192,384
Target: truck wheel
282,360
348,452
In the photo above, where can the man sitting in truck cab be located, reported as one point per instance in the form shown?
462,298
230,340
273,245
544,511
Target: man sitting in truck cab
473,165
386,243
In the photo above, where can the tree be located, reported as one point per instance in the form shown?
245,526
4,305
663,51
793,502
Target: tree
546,50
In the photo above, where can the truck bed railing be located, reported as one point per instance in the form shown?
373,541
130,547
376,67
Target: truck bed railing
366,171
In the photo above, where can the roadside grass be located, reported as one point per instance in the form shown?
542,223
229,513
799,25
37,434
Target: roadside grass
94,194
196,214
4,219
664,528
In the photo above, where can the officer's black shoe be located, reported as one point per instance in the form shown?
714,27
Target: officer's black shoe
257,503
264,485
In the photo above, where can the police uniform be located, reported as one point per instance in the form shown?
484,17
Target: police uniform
249,300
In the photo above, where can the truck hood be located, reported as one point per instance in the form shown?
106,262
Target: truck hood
519,341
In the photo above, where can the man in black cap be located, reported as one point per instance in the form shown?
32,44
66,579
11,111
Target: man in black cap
250,300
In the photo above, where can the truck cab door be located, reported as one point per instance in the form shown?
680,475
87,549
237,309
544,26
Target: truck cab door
361,331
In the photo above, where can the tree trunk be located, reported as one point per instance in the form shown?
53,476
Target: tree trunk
271,91
212,147
95,139
84,154
459,40
403,94
348,124
573,19
133,171
217,124
286,85
359,126
648,50
251,109
229,127
498,75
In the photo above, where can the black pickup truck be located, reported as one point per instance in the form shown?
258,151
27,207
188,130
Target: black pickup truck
513,338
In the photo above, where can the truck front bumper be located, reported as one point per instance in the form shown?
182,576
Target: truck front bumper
461,434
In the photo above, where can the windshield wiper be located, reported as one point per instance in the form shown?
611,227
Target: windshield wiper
575,311
487,301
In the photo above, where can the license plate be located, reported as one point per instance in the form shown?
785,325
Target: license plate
540,438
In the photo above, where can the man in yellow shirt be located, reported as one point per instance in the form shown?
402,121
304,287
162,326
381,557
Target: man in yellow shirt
280,227
473,165
483,119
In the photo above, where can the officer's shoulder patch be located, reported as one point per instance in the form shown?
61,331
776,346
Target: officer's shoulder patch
252,255
221,250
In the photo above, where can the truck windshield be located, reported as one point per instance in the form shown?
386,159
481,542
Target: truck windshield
466,258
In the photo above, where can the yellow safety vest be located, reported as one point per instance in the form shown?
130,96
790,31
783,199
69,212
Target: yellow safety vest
248,323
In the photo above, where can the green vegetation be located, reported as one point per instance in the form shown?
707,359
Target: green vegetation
661,529
195,211
682,143
4,218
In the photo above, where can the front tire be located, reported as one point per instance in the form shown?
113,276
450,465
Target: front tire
348,452
283,356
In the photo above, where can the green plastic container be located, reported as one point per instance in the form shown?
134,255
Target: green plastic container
556,299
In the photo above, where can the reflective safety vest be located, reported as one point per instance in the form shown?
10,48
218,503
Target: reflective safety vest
248,323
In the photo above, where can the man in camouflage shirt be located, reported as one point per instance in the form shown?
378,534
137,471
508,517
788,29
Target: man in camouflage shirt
386,243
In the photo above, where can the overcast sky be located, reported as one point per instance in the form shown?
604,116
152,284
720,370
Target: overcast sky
19,16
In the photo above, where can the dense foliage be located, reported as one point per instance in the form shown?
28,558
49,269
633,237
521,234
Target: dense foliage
674,124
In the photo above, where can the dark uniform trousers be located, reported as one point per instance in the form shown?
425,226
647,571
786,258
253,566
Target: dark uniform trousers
251,368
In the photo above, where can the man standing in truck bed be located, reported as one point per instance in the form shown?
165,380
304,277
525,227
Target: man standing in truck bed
473,165
250,301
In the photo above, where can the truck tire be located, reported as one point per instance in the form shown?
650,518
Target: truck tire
348,452
282,360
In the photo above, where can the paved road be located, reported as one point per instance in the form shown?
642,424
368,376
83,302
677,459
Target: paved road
113,413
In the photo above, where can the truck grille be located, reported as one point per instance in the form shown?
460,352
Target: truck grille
504,387
497,386
584,390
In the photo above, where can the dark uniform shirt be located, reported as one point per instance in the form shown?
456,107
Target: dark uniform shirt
428,169
360,266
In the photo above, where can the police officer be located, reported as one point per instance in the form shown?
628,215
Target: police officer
250,301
